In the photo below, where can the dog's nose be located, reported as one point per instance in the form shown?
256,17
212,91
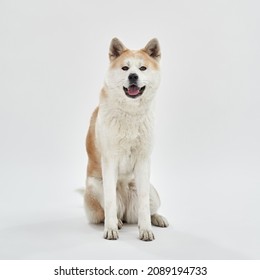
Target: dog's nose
133,78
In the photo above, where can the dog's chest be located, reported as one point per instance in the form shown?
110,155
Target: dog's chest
133,141
129,137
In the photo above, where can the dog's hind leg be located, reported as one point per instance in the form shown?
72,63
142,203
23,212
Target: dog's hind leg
93,200
156,219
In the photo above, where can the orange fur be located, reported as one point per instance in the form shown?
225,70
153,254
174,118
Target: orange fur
141,54
94,165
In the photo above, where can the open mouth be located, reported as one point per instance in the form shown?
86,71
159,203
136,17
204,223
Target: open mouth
134,91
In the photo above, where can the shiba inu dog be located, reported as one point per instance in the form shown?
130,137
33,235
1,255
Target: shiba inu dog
119,144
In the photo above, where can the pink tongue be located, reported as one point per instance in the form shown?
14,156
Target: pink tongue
133,90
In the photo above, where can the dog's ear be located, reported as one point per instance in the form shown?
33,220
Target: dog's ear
153,49
116,49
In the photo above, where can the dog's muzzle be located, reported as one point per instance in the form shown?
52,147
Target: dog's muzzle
133,90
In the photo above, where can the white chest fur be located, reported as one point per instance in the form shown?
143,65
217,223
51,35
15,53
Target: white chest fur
124,136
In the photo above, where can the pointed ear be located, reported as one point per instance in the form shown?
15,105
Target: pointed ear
116,49
153,49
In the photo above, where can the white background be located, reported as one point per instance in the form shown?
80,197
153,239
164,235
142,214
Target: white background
206,160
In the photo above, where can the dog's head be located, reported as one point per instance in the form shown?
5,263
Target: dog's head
133,75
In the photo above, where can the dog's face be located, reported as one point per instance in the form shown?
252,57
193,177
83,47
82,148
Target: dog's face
133,75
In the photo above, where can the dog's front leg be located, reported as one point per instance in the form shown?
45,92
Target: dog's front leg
142,179
109,173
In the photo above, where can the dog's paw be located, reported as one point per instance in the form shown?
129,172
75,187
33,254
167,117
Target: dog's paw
111,234
159,221
146,235
119,224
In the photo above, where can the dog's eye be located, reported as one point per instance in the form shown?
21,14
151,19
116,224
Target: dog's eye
142,68
125,68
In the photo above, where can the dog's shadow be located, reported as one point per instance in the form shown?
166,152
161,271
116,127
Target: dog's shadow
168,244
74,238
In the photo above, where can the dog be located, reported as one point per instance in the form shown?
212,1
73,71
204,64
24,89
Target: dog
119,144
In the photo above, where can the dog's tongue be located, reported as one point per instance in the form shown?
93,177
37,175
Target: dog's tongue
133,90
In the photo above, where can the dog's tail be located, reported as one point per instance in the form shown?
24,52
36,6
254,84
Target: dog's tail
81,191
